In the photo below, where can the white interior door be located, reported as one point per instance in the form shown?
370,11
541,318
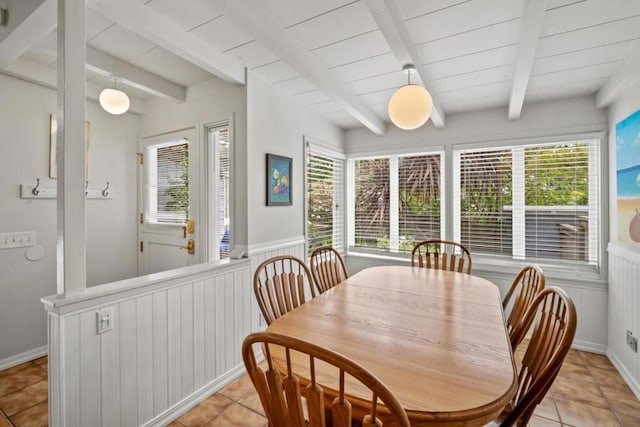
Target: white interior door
168,202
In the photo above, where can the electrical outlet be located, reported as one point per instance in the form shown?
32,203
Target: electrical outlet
104,320
632,341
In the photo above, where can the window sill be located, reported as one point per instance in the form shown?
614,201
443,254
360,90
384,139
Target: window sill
577,275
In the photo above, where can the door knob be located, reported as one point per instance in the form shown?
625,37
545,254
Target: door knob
190,247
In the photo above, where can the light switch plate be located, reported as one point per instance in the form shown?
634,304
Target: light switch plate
104,320
20,239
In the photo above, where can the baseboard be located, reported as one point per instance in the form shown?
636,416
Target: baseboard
194,398
624,373
21,358
589,346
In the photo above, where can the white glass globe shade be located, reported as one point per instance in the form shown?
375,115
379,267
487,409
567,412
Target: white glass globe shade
114,101
410,107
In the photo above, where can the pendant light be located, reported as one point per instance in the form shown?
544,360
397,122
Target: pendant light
114,101
410,106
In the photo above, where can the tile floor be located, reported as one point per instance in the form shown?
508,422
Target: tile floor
588,392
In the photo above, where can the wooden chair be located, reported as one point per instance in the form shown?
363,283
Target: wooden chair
285,399
328,268
530,281
555,326
281,284
442,255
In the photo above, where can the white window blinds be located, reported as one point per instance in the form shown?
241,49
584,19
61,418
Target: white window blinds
372,207
396,202
529,201
325,199
482,190
167,182
222,171
419,200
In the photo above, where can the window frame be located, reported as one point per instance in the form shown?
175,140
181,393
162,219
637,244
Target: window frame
340,184
394,201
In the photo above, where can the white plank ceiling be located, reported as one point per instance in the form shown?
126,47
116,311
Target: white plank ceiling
467,49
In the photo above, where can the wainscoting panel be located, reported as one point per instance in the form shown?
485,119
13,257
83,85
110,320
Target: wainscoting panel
624,306
169,342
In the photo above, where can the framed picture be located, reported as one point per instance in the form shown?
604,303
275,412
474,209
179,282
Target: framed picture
53,145
628,179
278,180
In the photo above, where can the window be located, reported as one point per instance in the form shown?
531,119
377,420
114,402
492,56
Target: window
325,199
167,182
396,202
219,148
529,202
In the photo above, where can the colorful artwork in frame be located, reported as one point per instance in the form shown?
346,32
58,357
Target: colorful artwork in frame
628,178
278,180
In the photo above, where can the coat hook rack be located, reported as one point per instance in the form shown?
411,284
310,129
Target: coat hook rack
30,191
35,190
105,191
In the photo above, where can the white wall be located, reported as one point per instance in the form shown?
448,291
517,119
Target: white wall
624,263
24,156
277,125
538,121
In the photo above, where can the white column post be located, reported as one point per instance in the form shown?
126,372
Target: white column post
71,148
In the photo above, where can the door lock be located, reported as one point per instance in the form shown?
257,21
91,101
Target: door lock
190,247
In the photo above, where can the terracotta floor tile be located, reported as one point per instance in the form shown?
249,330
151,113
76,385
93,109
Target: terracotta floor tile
21,379
205,411
622,401
17,369
582,392
585,415
252,401
594,360
536,421
175,424
578,373
238,415
574,357
239,388
13,403
627,420
608,378
547,409
36,416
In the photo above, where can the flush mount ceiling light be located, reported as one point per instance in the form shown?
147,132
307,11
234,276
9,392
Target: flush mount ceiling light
410,106
114,101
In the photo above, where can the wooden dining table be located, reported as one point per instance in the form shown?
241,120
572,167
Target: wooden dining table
436,338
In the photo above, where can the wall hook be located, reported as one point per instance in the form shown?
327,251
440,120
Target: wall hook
86,185
35,190
105,192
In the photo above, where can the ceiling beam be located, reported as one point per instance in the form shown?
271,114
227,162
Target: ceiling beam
109,66
530,29
386,13
158,29
626,76
47,77
29,21
253,16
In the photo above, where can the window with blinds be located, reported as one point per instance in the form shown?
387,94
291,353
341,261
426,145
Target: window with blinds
167,182
222,172
530,201
419,200
372,207
396,202
325,200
